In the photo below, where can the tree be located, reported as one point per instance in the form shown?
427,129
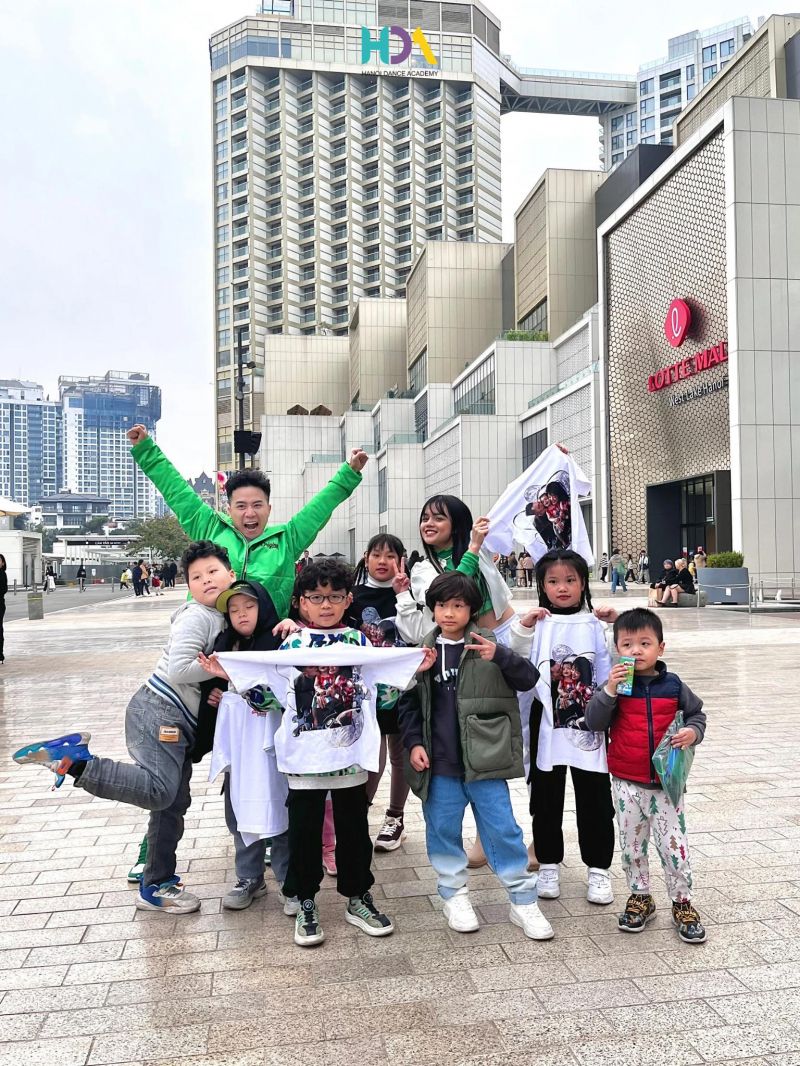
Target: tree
48,537
163,536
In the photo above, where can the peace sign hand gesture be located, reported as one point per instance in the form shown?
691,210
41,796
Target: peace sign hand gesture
484,648
401,582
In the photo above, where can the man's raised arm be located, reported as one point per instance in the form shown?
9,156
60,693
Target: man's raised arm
197,519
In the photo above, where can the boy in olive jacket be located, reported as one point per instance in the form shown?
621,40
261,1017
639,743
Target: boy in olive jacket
461,727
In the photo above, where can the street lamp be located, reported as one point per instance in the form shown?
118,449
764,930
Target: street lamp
245,442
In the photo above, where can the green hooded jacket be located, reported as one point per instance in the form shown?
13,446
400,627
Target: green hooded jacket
268,558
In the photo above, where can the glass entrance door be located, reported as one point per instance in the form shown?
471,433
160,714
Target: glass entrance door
698,527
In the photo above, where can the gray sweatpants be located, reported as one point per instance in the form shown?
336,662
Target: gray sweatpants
159,740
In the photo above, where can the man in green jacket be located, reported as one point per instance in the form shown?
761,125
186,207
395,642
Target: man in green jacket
257,552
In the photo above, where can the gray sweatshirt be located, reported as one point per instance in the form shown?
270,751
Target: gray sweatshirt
177,676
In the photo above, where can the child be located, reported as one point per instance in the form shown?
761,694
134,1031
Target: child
328,725
160,723
638,723
462,730
373,611
568,648
255,792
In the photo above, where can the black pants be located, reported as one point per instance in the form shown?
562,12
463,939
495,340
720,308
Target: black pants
594,814
2,615
353,843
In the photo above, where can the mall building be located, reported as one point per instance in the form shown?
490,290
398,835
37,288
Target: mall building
672,370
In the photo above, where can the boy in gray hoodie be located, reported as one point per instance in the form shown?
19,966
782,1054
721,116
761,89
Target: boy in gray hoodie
160,725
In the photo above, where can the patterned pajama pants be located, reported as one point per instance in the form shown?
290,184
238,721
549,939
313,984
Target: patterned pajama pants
644,812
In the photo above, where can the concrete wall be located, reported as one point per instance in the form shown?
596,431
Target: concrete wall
377,348
306,370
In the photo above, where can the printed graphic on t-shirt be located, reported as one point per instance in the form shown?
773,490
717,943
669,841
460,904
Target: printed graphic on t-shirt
547,513
261,700
382,633
329,697
572,682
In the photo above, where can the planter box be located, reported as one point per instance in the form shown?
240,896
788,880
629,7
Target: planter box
729,585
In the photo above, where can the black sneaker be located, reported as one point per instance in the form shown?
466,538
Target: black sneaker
687,922
638,912
392,834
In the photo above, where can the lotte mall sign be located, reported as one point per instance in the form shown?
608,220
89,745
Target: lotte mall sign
676,325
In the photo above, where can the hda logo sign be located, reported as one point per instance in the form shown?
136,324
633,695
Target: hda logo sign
381,45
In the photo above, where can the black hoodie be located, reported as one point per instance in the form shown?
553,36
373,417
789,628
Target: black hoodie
229,640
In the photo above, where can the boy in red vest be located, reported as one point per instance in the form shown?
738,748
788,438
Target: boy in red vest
637,725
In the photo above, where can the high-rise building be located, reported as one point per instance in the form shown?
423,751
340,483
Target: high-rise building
97,412
30,442
665,86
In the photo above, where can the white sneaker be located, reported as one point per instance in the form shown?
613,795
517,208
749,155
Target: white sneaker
291,905
531,921
548,885
600,890
459,913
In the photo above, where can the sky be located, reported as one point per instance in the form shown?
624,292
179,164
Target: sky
106,193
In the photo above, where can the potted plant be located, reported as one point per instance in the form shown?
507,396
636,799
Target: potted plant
725,578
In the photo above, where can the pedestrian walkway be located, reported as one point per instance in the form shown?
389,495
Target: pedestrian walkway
86,979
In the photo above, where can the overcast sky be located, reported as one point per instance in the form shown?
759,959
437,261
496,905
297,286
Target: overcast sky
106,191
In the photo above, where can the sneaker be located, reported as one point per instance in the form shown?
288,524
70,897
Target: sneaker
137,870
531,921
476,856
168,896
459,913
392,834
362,912
268,854
290,904
638,911
687,922
329,861
243,893
57,754
548,884
307,930
599,890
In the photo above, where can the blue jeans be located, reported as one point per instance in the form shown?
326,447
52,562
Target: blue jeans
250,857
159,740
500,835
617,579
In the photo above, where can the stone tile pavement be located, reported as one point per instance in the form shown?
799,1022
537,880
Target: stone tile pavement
86,980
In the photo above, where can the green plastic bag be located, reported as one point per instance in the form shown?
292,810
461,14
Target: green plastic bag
673,764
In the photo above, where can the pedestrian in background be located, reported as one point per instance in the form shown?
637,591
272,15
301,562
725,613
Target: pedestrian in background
81,576
512,568
604,566
618,566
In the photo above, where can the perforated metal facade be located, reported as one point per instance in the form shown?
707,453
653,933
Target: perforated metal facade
672,245
571,421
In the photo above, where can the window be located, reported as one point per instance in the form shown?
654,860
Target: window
709,53
670,100
649,140
475,394
222,171
630,137
647,106
383,491
690,72
222,213
617,158
648,125
223,317
646,87
708,73
418,373
222,192
536,320
220,87
223,276
630,120
670,80
223,234
220,109
223,338
691,92
223,295
532,447
727,48
221,152
222,130
616,122
616,142
421,417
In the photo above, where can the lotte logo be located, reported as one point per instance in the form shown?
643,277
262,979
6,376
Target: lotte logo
677,322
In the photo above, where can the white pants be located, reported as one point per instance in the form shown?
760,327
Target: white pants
643,811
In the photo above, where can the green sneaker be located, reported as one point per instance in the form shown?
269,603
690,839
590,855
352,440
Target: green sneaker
307,930
136,871
362,912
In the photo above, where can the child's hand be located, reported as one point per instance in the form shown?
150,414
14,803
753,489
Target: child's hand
684,738
214,697
136,434
418,758
530,619
213,666
606,614
401,582
619,673
286,628
479,533
428,660
358,459
484,648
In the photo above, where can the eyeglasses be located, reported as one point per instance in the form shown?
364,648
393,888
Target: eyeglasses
318,598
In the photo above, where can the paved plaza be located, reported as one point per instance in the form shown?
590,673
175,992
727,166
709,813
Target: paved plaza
87,979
